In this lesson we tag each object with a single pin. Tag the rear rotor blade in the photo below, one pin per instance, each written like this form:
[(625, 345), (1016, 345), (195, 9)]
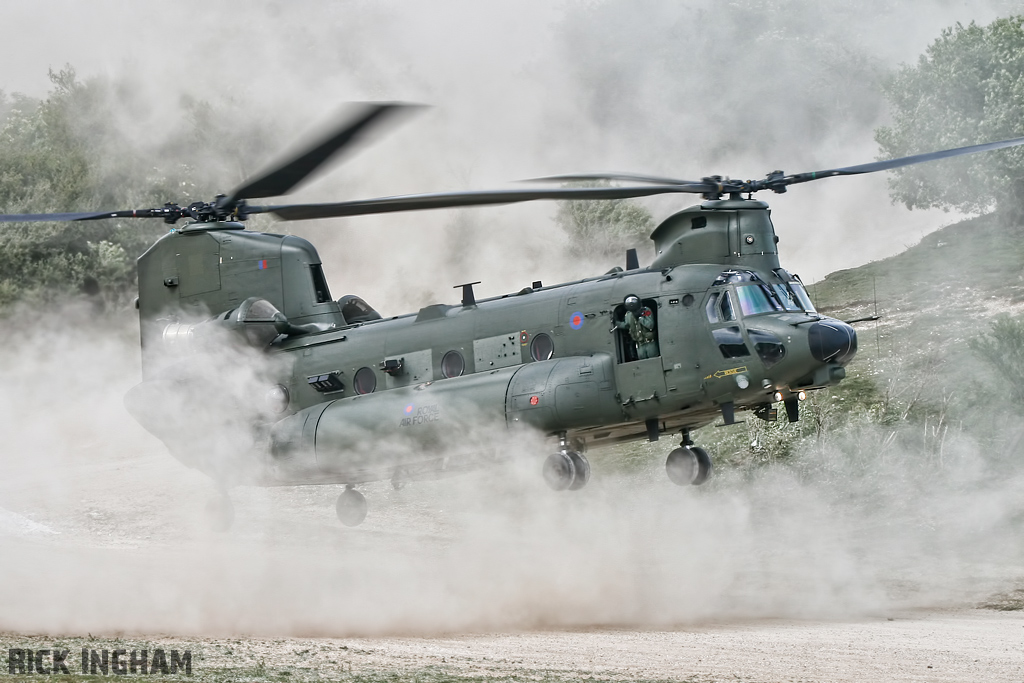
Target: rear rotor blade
[(628, 177), (82, 216), (444, 200), (286, 175)]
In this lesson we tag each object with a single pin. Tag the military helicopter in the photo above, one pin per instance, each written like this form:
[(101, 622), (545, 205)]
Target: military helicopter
[(335, 393)]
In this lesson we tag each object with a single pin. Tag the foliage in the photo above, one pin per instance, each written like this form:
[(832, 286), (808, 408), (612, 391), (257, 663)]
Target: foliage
[(1002, 347), (967, 88), (604, 230), (86, 146)]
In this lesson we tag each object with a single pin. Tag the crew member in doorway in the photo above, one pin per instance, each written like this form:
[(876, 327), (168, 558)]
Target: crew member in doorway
[(639, 322)]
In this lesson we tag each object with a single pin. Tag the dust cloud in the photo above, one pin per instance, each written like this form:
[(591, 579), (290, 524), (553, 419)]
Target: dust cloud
[(102, 530)]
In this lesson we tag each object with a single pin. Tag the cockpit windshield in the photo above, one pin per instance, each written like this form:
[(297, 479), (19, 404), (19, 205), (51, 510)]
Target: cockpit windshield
[(757, 299), (787, 297), (801, 295)]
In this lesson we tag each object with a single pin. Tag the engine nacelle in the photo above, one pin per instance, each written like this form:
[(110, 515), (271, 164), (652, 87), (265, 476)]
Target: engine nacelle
[(256, 322)]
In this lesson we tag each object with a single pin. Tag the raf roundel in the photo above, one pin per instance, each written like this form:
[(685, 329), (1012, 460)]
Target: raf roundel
[(576, 320), (409, 408)]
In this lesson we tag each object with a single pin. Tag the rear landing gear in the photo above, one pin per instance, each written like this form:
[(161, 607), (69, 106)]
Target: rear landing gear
[(688, 465), (351, 507), (567, 469)]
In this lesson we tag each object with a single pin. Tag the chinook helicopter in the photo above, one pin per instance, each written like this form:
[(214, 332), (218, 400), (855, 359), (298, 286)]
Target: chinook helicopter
[(335, 393)]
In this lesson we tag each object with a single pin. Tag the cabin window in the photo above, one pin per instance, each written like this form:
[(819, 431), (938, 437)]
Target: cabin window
[(730, 342), (323, 295), (453, 364), (542, 348), (365, 381)]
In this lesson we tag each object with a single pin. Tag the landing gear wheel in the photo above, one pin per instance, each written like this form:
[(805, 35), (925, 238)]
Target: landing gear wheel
[(219, 513), (559, 471), (351, 507), (703, 465), (690, 465), (582, 470)]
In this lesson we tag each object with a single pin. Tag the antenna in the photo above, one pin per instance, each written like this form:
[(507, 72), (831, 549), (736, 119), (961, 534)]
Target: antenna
[(874, 295), (632, 262), (468, 297)]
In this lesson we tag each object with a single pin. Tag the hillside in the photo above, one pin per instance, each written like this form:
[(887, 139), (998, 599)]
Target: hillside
[(959, 276), (934, 298)]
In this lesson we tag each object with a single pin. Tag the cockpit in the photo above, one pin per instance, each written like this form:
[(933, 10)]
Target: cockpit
[(748, 296), (755, 297)]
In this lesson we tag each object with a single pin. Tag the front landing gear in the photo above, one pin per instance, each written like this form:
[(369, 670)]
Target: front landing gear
[(351, 507), (688, 465), (566, 469)]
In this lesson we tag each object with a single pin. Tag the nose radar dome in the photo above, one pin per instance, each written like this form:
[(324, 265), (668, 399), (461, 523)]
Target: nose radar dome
[(832, 341)]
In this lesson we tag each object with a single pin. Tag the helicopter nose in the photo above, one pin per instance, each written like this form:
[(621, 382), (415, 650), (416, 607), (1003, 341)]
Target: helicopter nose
[(832, 341)]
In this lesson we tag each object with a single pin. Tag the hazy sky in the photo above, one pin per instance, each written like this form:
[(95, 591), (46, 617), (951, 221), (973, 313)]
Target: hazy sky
[(521, 89)]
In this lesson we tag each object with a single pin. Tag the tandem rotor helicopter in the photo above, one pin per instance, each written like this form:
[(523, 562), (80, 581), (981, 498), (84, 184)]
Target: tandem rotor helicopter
[(712, 326)]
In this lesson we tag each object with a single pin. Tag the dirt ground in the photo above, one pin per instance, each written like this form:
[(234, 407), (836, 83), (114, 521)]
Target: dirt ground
[(937, 645), (959, 645)]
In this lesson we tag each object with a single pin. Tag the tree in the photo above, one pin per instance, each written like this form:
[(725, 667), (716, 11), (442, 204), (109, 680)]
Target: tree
[(967, 88), (601, 230), (81, 148)]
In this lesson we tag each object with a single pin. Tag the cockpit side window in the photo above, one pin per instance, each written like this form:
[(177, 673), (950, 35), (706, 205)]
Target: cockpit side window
[(726, 310), (712, 307)]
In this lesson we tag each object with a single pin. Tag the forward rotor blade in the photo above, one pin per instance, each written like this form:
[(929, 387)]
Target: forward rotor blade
[(286, 175), (628, 177), (445, 200), (890, 164)]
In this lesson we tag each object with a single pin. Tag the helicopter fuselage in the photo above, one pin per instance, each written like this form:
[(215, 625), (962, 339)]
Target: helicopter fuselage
[(355, 397)]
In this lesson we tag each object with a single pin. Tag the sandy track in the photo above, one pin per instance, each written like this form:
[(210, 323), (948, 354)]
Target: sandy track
[(947, 645), (957, 645)]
